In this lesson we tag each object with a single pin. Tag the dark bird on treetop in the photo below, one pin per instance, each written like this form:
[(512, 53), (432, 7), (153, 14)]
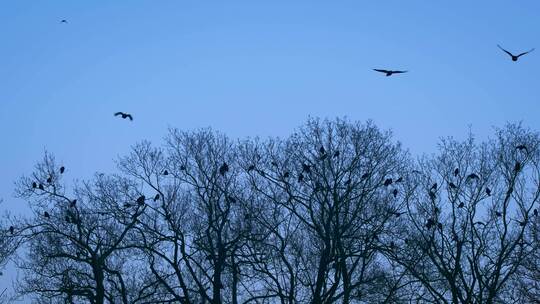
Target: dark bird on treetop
[(498, 214), (364, 176), (34, 185), (389, 72), (182, 167), (223, 169), (165, 172), (306, 168), (156, 197), (522, 147), (300, 177), (251, 168), (430, 223), (488, 191), (535, 211), (395, 192), (63, 21), (49, 179), (434, 187), (62, 169), (452, 185), (456, 172), (517, 167), (124, 115), (515, 57), (41, 187), (73, 203), (322, 150), (472, 176), (461, 205), (387, 182), (11, 229), (141, 200), (46, 214)]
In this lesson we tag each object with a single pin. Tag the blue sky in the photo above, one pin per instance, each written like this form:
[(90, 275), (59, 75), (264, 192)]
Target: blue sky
[(252, 68)]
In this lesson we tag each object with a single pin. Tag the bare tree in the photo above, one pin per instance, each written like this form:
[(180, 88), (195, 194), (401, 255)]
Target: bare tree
[(468, 214)]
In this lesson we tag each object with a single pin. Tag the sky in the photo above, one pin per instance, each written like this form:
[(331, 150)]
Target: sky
[(253, 68)]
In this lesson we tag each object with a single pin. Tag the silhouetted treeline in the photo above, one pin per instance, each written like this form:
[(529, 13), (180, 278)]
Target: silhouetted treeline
[(338, 212)]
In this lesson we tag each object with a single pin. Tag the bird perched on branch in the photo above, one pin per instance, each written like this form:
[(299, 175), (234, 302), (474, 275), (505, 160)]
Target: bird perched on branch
[(223, 169), (62, 169), (124, 115), (515, 57), (389, 72)]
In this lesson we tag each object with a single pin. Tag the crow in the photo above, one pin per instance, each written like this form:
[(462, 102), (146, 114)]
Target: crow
[(488, 191), (223, 169), (46, 214), (165, 172), (141, 200), (124, 115), (34, 185), (515, 57), (322, 150), (498, 214), (156, 197), (11, 229), (62, 169), (387, 182), (461, 205), (63, 21), (41, 187), (395, 192), (364, 176), (456, 172), (306, 168), (430, 223), (251, 168), (389, 72), (49, 179), (517, 167), (73, 203), (452, 185), (434, 187)]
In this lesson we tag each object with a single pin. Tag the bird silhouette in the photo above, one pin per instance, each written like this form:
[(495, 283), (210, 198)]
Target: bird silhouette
[(300, 177), (41, 187), (488, 191), (306, 168), (433, 187), (62, 169), (46, 214), (389, 72), (73, 203), (517, 167), (395, 192), (498, 214), (456, 172), (124, 115), (461, 205), (387, 182), (364, 176), (223, 169), (141, 200), (156, 197), (49, 179), (251, 168), (535, 211), (430, 223), (34, 185), (322, 150), (515, 57), (452, 185), (11, 229), (165, 172), (522, 147)]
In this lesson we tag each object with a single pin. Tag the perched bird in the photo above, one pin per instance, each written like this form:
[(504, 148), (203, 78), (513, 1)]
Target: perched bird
[(141, 200), (434, 187), (62, 169), (389, 72), (11, 229), (515, 57), (46, 214), (430, 223), (452, 185), (488, 191), (472, 176), (498, 214), (306, 168), (251, 168), (535, 211), (456, 172), (364, 176), (461, 205), (286, 175), (517, 167), (223, 169), (522, 147), (34, 185), (49, 179), (322, 150), (165, 172), (156, 197), (387, 182), (395, 192), (73, 203), (522, 223), (41, 187), (124, 115)]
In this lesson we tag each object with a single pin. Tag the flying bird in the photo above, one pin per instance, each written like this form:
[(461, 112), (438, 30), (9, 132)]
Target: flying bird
[(62, 169), (63, 21), (389, 72), (515, 57), (223, 169), (124, 115)]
